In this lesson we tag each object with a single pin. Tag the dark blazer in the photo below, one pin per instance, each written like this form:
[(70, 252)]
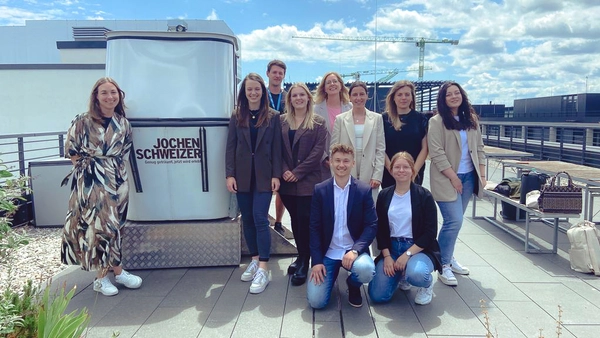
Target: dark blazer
[(424, 221), (267, 155), (362, 219), (303, 157)]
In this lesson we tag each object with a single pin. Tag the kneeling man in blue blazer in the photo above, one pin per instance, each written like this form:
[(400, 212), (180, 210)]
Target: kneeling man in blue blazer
[(343, 223)]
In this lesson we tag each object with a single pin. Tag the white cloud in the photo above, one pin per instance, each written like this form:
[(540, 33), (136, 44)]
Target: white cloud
[(213, 15)]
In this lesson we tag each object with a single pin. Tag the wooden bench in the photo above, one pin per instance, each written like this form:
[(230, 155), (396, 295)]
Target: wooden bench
[(529, 247)]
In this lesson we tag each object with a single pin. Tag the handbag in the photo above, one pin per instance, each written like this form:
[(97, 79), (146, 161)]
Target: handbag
[(584, 254), (531, 200), (563, 199)]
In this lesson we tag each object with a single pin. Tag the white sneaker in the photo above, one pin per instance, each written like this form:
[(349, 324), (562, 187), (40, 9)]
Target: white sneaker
[(251, 269), (447, 277), (128, 280), (104, 286), (404, 285), (260, 281), (424, 295), (457, 268)]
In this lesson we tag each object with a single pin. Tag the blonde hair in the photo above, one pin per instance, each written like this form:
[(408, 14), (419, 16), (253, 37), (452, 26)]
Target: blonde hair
[(411, 162), (309, 119), (390, 104), (321, 93)]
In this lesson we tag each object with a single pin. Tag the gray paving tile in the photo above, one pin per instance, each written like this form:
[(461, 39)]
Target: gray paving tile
[(516, 267), (173, 322), (217, 329), (550, 296), (497, 323), (97, 304), (397, 309), (297, 318), (449, 315), (198, 287), (264, 321), (494, 285), (328, 330), (530, 318), (159, 282), (399, 328), (581, 331), (127, 319)]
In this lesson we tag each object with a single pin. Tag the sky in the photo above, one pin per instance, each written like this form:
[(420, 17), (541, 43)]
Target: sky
[(507, 49)]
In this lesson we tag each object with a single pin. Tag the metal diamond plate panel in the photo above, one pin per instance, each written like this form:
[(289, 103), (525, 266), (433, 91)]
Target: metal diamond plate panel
[(152, 245)]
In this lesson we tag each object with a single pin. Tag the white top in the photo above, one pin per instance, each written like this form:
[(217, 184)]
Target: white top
[(359, 131), (400, 215), (341, 241), (466, 163)]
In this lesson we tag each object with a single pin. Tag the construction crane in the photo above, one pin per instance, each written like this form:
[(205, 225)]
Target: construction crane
[(419, 42), (390, 73)]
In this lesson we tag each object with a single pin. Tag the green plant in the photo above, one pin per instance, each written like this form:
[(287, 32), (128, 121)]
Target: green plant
[(26, 313), (53, 323)]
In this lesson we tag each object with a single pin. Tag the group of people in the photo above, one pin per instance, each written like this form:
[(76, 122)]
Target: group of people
[(346, 175)]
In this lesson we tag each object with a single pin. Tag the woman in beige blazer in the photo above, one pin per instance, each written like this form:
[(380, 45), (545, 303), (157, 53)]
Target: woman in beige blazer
[(457, 170), (331, 99), (363, 130)]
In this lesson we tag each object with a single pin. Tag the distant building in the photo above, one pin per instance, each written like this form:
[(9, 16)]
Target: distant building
[(583, 108)]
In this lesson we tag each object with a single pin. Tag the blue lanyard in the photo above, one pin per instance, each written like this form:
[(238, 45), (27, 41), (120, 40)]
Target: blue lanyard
[(278, 101)]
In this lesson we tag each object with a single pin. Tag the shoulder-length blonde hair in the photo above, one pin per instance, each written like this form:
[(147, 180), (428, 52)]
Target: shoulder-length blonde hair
[(411, 162), (309, 120), (390, 104), (94, 105), (242, 110), (321, 93)]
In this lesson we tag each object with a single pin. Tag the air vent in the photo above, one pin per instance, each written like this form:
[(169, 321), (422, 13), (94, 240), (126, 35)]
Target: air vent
[(90, 33)]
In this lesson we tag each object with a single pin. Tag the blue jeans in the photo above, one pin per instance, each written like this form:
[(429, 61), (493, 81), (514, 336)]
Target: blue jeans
[(361, 272), (452, 213), (417, 272), (254, 207)]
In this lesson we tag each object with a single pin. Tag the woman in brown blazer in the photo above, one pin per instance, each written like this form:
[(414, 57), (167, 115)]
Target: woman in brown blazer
[(253, 169), (304, 135)]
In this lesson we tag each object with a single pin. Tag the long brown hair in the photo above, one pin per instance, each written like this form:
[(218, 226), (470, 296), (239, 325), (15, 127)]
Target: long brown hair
[(94, 106), (467, 118), (242, 110), (390, 104)]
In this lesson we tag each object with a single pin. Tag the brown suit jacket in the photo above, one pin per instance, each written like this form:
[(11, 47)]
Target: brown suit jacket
[(267, 155), (308, 146)]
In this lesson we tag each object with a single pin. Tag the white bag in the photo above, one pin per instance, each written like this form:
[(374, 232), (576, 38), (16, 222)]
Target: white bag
[(531, 199), (584, 254)]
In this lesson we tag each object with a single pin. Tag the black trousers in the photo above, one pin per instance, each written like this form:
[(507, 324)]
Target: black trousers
[(299, 209)]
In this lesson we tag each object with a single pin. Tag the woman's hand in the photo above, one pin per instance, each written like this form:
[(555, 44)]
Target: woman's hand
[(231, 184), (274, 184), (457, 184), (375, 184), (483, 182), (388, 266), (288, 176), (400, 263)]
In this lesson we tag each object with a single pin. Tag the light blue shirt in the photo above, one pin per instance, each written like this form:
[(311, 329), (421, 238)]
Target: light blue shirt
[(341, 241)]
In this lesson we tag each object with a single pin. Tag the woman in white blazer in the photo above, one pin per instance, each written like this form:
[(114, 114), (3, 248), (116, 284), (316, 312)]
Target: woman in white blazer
[(457, 169), (331, 99), (363, 130)]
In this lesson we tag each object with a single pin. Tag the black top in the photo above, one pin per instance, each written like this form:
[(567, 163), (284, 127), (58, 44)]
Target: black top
[(408, 139), (274, 99), (106, 122)]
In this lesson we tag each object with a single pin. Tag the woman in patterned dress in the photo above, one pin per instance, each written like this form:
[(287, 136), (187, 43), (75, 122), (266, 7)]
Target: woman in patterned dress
[(98, 143)]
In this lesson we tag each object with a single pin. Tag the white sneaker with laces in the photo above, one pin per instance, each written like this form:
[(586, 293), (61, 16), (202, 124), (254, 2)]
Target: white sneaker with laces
[(251, 269), (128, 280), (404, 285), (447, 277), (260, 281), (424, 295), (457, 268), (105, 287)]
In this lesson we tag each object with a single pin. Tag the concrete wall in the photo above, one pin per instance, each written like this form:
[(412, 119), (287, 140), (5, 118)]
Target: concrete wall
[(39, 100)]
